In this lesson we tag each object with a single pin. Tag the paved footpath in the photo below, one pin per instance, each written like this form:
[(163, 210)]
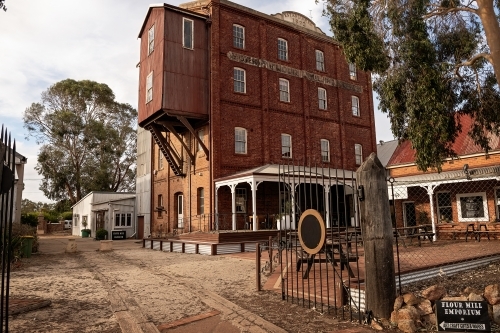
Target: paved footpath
[(225, 317)]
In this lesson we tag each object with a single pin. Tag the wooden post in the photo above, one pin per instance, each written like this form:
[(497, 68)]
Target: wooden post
[(376, 228), (257, 265)]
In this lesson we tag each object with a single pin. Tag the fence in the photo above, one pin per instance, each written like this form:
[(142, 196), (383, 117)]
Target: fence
[(7, 173), (328, 280), (444, 224)]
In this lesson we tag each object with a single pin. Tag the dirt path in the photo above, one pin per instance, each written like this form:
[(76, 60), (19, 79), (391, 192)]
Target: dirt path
[(131, 290)]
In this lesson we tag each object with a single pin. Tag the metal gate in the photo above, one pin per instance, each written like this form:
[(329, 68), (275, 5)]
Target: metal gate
[(330, 280), (7, 175)]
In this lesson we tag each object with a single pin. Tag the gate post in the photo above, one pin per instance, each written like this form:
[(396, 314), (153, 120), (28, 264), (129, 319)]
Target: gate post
[(376, 228)]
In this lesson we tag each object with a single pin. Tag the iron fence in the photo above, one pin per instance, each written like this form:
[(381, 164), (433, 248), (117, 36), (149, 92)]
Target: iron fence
[(7, 175), (445, 223), (329, 280)]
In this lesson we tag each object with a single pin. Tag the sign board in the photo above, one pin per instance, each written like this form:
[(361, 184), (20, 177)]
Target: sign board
[(118, 234), (462, 316), (312, 231)]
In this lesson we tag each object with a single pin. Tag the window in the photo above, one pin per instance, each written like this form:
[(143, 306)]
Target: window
[(358, 153), (187, 32), (201, 201), (240, 140), (160, 205), (282, 49), (241, 200), (117, 219), (322, 98), (75, 221), (239, 80), (472, 207), (238, 36), (325, 150), (201, 134), (123, 220), (497, 203), (129, 220), (355, 105), (284, 90), (445, 213), (151, 39), (320, 61), (85, 222), (160, 159), (286, 145), (352, 71), (149, 88)]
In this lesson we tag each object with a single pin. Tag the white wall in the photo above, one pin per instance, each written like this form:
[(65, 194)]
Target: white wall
[(143, 178)]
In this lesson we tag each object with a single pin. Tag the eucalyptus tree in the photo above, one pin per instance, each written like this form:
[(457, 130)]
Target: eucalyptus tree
[(88, 140), (433, 61)]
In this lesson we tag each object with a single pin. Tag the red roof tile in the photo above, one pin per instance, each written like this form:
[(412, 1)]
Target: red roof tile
[(463, 145)]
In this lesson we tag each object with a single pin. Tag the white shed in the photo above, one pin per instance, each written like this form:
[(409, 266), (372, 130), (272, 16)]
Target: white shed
[(113, 211)]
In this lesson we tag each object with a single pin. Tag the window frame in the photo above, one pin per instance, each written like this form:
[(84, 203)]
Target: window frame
[(323, 100), (237, 82), (201, 200), (160, 159), (497, 202), (149, 87), (284, 153), (284, 93), (236, 141), (320, 61), (151, 39), (240, 200), (184, 20), (484, 218), (282, 52), (238, 38), (327, 150), (358, 153), (355, 106), (439, 207), (160, 204), (201, 135), (353, 75)]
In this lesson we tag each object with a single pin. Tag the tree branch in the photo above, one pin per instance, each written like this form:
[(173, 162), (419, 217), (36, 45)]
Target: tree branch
[(442, 11)]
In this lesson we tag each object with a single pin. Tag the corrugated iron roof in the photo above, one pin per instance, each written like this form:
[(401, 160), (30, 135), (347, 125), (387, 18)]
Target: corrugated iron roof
[(463, 145)]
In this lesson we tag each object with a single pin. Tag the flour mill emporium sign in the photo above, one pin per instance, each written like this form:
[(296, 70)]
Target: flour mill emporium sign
[(244, 59), (462, 316)]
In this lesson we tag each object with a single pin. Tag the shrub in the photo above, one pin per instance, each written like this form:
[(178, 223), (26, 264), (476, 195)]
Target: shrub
[(19, 230), (30, 219), (101, 234), (67, 215), (51, 217)]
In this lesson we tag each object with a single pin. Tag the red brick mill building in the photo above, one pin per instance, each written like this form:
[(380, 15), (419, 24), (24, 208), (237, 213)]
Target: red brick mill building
[(229, 94)]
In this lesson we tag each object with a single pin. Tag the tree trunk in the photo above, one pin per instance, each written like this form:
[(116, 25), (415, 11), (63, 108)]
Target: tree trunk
[(376, 228), (486, 13)]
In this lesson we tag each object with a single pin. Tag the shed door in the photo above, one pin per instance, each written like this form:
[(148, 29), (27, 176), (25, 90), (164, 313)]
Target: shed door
[(409, 214), (140, 227)]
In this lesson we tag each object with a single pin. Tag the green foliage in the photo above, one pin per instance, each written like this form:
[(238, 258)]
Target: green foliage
[(101, 234), (67, 215), (30, 219), (427, 70), (88, 140), (19, 230), (51, 217), (28, 206)]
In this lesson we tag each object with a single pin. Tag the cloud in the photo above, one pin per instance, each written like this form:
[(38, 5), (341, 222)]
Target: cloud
[(44, 42)]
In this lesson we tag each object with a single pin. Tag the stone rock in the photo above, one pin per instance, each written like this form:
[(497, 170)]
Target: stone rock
[(385, 323), (433, 293), (408, 312), (475, 297), (496, 313), (410, 299), (424, 307), (455, 298), (492, 293), (375, 325), (394, 317), (407, 326), (469, 290), (430, 318), (398, 303)]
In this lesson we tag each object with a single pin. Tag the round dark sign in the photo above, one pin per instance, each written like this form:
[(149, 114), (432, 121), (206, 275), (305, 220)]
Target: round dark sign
[(311, 231)]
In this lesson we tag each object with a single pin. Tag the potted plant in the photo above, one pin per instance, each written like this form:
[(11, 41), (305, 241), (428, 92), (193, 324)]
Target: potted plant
[(85, 231), (101, 234), (283, 221)]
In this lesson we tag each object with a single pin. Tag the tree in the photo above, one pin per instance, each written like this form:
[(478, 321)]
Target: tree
[(89, 140), (434, 61)]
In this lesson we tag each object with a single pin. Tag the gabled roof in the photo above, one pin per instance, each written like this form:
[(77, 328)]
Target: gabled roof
[(463, 145)]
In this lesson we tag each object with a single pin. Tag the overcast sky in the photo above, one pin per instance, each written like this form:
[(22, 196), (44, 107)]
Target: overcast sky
[(43, 42)]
